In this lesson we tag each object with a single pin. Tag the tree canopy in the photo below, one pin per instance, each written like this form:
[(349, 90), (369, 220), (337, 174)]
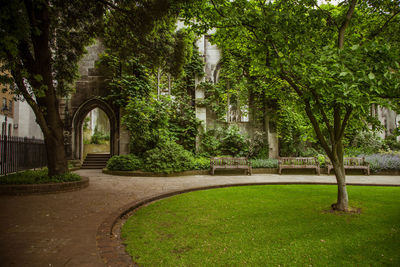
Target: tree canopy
[(338, 60), (41, 42)]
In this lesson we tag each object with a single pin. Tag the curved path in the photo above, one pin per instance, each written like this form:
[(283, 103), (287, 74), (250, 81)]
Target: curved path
[(60, 229)]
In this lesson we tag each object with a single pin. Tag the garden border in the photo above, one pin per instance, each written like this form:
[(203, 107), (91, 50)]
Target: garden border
[(207, 172), (153, 174), (109, 244), (32, 189)]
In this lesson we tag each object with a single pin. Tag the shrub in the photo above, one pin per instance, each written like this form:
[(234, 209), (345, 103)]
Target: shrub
[(167, 157), (234, 143), (258, 146), (37, 177), (366, 143), (391, 142), (264, 163), (322, 160), (201, 163), (379, 162), (210, 143), (183, 123), (146, 119), (215, 142), (124, 163)]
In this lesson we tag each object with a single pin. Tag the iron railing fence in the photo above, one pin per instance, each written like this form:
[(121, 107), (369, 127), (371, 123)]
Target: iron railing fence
[(18, 153)]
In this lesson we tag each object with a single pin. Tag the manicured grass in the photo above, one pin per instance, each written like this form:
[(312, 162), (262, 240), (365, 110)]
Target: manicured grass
[(37, 177), (267, 226)]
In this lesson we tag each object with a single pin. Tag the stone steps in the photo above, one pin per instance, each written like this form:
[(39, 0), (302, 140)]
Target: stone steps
[(95, 161)]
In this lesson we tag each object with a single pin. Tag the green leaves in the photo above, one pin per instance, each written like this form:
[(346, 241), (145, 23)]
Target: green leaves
[(371, 76)]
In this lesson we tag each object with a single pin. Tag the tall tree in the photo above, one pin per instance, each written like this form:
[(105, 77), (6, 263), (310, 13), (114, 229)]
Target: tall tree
[(337, 59), (41, 42)]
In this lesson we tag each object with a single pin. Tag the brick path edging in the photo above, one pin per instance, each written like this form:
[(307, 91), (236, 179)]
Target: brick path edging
[(110, 247), (207, 172), (153, 174), (29, 189)]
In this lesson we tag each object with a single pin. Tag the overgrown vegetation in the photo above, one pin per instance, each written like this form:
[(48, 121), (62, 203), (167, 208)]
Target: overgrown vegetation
[(230, 141), (167, 157), (124, 163), (37, 177), (276, 84)]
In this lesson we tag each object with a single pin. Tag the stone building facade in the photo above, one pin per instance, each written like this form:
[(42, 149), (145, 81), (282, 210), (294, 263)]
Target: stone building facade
[(248, 124), (21, 121), (91, 90)]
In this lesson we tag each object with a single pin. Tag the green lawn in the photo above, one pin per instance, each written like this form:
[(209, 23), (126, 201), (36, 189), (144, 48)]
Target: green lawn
[(267, 225)]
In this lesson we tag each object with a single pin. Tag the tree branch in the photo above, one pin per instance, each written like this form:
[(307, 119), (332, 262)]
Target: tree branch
[(349, 110), (216, 9), (26, 56), (346, 23), (336, 122), (324, 117), (310, 115), (377, 32), (317, 129), (113, 6)]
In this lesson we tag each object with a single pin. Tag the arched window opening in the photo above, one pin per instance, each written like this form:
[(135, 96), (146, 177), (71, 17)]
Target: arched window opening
[(96, 132)]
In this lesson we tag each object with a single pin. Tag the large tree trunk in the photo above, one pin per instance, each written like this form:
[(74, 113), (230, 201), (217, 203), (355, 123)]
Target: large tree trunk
[(56, 159), (342, 203)]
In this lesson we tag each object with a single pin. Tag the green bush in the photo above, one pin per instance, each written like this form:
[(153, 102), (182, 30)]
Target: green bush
[(322, 160), (210, 143), (258, 146), (365, 143), (230, 141), (264, 163), (167, 157), (201, 163), (146, 119), (37, 177), (234, 143), (391, 143), (124, 163)]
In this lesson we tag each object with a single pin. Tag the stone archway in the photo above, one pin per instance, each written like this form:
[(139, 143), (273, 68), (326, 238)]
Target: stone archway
[(77, 126)]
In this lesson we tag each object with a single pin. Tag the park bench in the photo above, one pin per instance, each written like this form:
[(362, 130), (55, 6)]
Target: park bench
[(351, 163), (230, 163), (298, 163)]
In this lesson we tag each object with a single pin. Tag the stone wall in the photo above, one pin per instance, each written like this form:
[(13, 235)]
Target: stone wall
[(90, 93), (211, 56)]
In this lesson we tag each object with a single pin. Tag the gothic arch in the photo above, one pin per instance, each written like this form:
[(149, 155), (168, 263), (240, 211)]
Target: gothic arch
[(217, 71), (77, 126)]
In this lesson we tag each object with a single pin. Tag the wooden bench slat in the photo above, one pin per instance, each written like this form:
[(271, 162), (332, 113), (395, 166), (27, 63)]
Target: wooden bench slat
[(351, 163), (230, 163), (298, 163)]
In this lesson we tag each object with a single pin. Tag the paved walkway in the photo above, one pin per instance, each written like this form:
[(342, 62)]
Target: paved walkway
[(60, 229)]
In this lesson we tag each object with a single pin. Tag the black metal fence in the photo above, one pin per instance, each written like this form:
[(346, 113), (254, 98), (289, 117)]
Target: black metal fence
[(17, 154)]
